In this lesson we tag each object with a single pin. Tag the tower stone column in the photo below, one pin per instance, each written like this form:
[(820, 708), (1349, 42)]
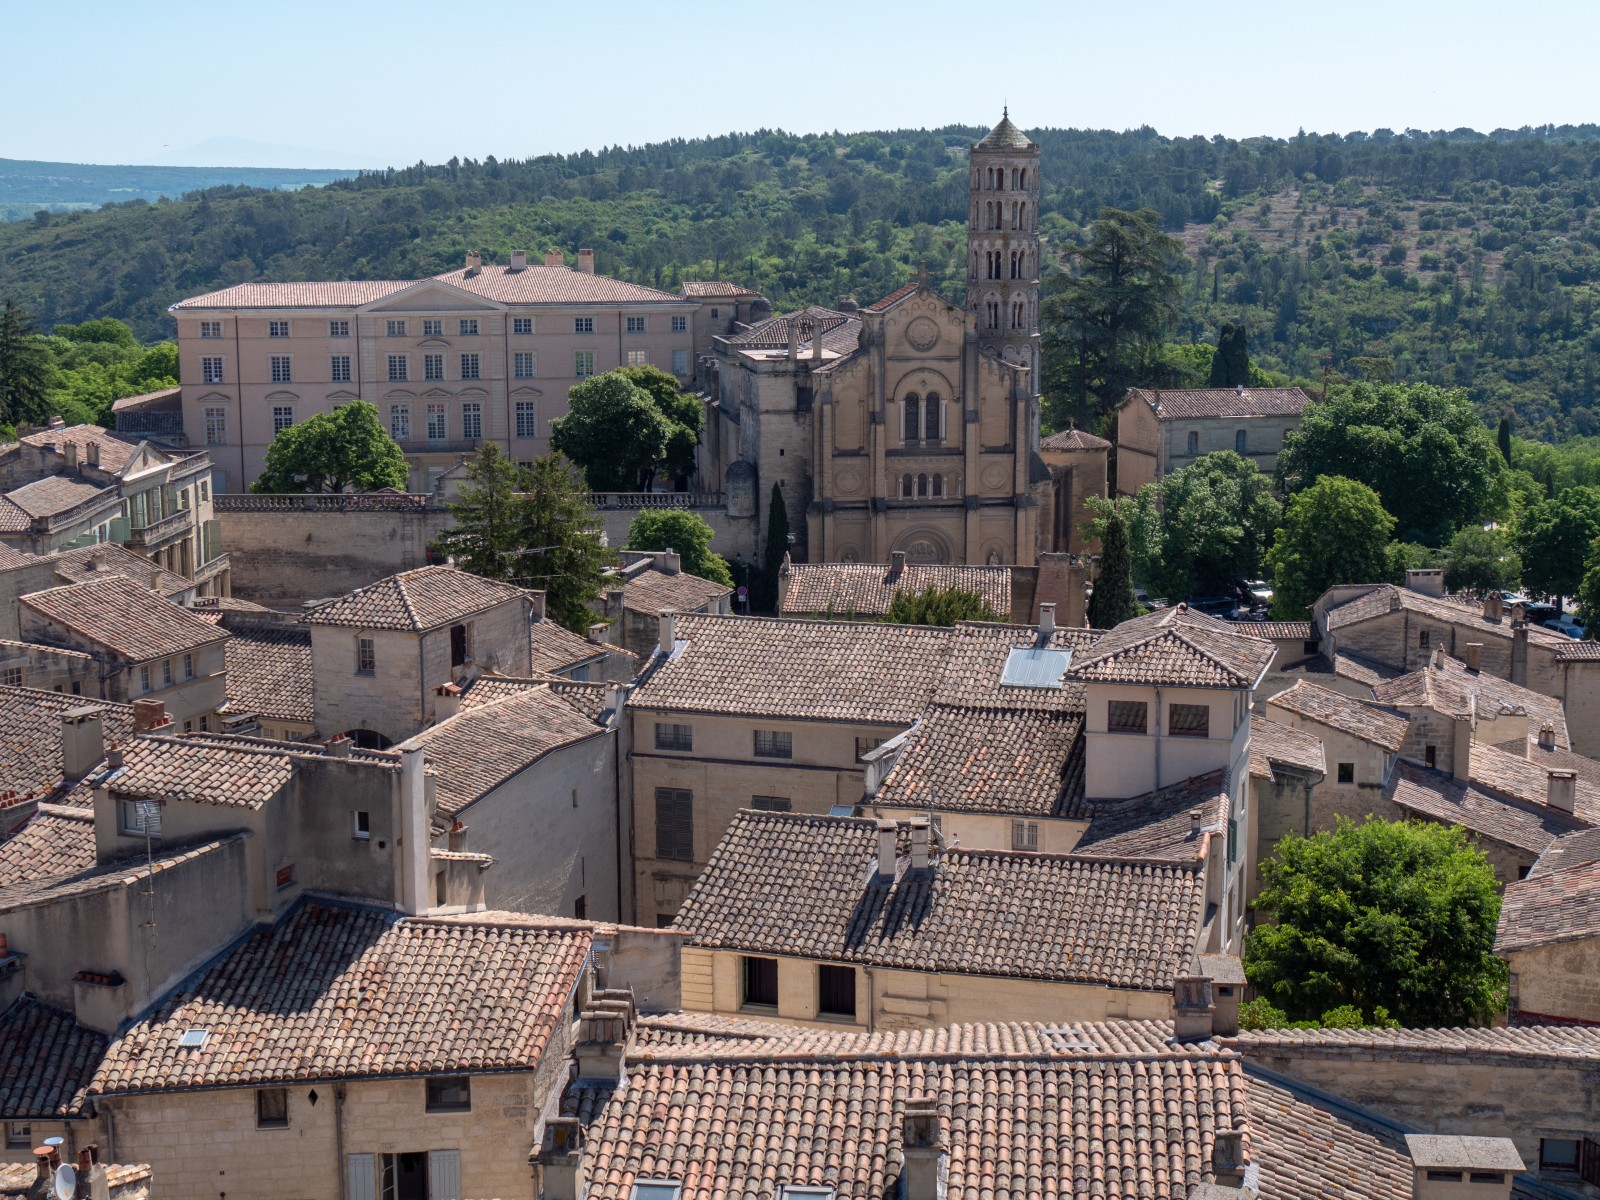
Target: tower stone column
[(1003, 245)]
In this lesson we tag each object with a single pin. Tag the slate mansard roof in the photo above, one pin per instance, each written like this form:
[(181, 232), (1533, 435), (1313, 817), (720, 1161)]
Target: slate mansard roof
[(807, 886), (336, 993), (415, 601)]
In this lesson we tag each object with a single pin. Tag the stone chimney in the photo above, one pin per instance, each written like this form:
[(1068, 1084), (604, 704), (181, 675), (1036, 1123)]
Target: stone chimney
[(519, 260), (149, 715), (616, 694), (1547, 736), (1472, 655), (599, 1050), (897, 562), (99, 1181), (70, 449), (1193, 1008), (456, 839), (560, 1159), (1562, 790), (1429, 581), (1494, 606), (446, 701), (1227, 1157), (1519, 651), (83, 741), (339, 746), (91, 453), (794, 338), (598, 631), (886, 851), (1197, 821), (668, 632), (922, 1148), (586, 261), (669, 561), (554, 258), (1450, 1167), (920, 860), (474, 262), (1047, 621)]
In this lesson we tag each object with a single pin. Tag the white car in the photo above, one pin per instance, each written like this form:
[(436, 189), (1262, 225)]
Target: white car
[(1566, 623)]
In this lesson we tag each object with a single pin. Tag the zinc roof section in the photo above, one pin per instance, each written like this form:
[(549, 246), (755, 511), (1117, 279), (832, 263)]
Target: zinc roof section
[(797, 670)]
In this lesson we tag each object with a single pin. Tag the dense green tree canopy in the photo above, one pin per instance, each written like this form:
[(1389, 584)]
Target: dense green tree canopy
[(940, 606), (614, 432), (347, 449), (683, 414), (1482, 560), (683, 531), (1420, 447), (564, 553), (1230, 365), (1335, 531), (1555, 537), (1589, 594), (1396, 915), (1112, 600), (488, 512), (24, 368), (1217, 518)]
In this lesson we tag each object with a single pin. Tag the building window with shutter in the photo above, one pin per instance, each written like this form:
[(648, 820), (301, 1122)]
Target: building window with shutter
[(450, 1093), (760, 982), (836, 991), (675, 824), (1024, 835), (272, 1108), (772, 803), (1127, 716), (674, 737), (1189, 720), (773, 743)]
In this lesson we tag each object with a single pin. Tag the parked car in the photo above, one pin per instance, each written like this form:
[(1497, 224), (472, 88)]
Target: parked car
[(1568, 624)]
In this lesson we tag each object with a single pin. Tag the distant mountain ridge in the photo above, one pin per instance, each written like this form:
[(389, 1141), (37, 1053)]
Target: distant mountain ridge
[(27, 185)]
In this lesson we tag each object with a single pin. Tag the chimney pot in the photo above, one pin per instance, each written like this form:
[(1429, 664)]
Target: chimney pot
[(339, 746), (519, 260), (897, 562), (561, 1170), (1193, 1008), (886, 850), (1047, 619), (554, 258), (1547, 736), (113, 756), (668, 631), (1197, 817), (91, 453), (1472, 655), (149, 715), (919, 843), (586, 261), (474, 262), (602, 1037), (1493, 606), (670, 561), (1563, 790), (83, 741)]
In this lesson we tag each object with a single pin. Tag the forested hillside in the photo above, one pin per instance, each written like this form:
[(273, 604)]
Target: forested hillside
[(1459, 258)]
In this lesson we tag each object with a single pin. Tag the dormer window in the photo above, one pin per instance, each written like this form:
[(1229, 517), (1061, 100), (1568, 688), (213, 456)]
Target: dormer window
[(1127, 716)]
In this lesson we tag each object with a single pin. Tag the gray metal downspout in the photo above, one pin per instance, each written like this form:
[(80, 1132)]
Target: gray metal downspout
[(338, 1140)]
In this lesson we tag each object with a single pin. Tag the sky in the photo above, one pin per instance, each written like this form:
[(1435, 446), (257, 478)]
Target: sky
[(359, 83)]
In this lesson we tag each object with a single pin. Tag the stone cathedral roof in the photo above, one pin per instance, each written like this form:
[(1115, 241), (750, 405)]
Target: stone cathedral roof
[(1005, 136)]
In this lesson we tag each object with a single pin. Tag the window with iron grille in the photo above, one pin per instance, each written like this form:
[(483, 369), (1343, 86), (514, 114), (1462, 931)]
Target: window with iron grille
[(521, 324), (471, 420), (674, 737), (339, 368), (277, 329), (772, 803), (635, 324), (773, 743), (210, 329), (395, 328), (432, 328), (836, 991), (680, 324), (1128, 716), (398, 368), (282, 417), (338, 329), (468, 326), (1024, 835), (1189, 720), (523, 363), (211, 370), (527, 419), (675, 824), (469, 366), (760, 982), (281, 371), (433, 366)]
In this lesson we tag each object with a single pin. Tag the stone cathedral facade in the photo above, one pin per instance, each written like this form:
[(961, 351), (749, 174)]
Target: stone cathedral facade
[(909, 424)]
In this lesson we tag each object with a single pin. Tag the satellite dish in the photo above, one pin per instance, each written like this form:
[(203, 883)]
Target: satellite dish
[(66, 1185)]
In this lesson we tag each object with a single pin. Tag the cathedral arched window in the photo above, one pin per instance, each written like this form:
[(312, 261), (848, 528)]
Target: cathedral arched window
[(912, 424), (922, 487), (1023, 179), (905, 485), (930, 425), (1022, 215), (938, 485)]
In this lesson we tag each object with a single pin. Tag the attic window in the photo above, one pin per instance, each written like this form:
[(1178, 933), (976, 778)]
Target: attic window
[(795, 1191), (656, 1189), (193, 1039), (1028, 667)]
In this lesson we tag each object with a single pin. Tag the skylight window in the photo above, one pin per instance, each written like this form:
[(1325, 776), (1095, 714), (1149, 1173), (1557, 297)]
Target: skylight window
[(795, 1191), (1027, 667), (193, 1039), (657, 1189)]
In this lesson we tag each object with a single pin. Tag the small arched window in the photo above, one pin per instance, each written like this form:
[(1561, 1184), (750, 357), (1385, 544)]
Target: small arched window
[(930, 424), (922, 485), (1022, 215), (1240, 440), (905, 485), (912, 426), (1022, 177), (1194, 444), (938, 485)]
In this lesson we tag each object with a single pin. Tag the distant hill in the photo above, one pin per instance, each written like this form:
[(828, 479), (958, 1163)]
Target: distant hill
[(27, 186), (1467, 259)]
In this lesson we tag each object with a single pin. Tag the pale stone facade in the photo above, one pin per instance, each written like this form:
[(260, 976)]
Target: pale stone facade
[(1159, 432)]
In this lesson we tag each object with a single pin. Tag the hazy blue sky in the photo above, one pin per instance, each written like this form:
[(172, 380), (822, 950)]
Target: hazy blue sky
[(359, 82)]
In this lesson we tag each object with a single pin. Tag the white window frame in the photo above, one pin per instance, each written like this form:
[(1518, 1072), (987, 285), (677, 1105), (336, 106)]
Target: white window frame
[(471, 420), (338, 329), (582, 324), (394, 328), (216, 426), (680, 362), (471, 367), (432, 327), (527, 417), (366, 656), (278, 329), (282, 417), (583, 363), (211, 369), (636, 325), (399, 368), (282, 368), (680, 324), (467, 326), (525, 364), (438, 424), (339, 368), (210, 329), (522, 326), (432, 366), (638, 358), (400, 422)]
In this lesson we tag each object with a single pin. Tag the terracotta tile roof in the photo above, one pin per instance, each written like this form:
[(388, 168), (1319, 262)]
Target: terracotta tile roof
[(1272, 742), (986, 760), (977, 661), (487, 689), (1576, 651), (1015, 1126), (1275, 631), (1307, 1149), (1529, 779), (1556, 759), (7, 646), (55, 840), (1005, 136), (30, 738), (1201, 403), (346, 294), (1345, 713), (126, 403), (416, 600), (1175, 646), (125, 873), (696, 288), (1561, 1042), (240, 774), (806, 886), (556, 648), (800, 670), (651, 591), (115, 451), (1429, 794), (1361, 669), (46, 1061), (337, 993), (269, 672), (54, 494), (130, 621), (1074, 439), (482, 747), (1157, 824), (88, 563), (1447, 687), (867, 589), (1388, 597), (10, 558), (552, 285), (586, 699), (1559, 901), (893, 298)]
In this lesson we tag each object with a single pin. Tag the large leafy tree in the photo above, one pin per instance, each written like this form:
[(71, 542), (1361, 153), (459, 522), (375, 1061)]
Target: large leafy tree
[(1554, 537), (1335, 531), (1112, 601), (1217, 516), (347, 449), (685, 532), (564, 549), (1589, 594), (24, 368), (488, 511), (1230, 365), (939, 606), (1396, 915), (1482, 560), (682, 411), (1141, 522), (1104, 316), (615, 433), (1420, 447)]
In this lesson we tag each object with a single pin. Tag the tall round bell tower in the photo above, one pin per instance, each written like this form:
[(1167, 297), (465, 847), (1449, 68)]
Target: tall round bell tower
[(1003, 244)]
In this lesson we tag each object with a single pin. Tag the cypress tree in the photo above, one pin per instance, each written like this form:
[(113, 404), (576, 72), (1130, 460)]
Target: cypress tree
[(1503, 437), (24, 368), (1113, 600), (1230, 365), (777, 546)]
